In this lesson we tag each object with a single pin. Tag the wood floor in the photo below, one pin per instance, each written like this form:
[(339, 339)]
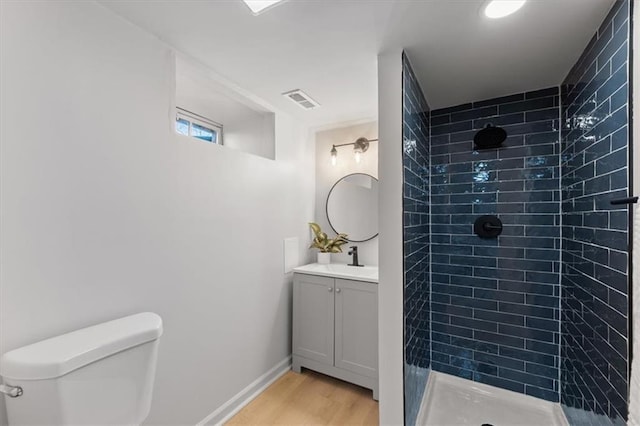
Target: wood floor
[(310, 399)]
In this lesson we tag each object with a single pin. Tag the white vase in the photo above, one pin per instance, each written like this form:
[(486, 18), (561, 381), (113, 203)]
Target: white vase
[(324, 258)]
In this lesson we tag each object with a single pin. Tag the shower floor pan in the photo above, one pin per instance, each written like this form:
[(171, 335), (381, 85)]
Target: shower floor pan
[(453, 401)]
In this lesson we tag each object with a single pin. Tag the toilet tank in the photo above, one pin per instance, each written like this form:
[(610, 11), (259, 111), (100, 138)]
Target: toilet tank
[(99, 375)]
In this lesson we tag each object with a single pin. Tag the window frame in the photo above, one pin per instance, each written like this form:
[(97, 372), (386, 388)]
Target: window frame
[(193, 118)]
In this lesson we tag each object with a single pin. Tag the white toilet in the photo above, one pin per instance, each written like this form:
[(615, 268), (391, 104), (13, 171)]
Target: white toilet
[(100, 375)]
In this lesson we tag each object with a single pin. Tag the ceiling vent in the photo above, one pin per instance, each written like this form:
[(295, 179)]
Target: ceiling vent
[(302, 99)]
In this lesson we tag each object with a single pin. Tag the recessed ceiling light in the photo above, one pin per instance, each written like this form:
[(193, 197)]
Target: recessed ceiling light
[(500, 8), (258, 6)]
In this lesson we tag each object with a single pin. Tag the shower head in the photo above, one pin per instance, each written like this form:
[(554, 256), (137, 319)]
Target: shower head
[(490, 137)]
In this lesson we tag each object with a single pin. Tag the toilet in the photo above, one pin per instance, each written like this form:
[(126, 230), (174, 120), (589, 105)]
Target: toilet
[(99, 375)]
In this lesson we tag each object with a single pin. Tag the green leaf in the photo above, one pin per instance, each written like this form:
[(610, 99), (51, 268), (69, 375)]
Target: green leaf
[(323, 243), (315, 228)]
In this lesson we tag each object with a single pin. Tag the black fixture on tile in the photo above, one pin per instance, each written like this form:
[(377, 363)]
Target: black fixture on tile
[(490, 137), (620, 201), (488, 226)]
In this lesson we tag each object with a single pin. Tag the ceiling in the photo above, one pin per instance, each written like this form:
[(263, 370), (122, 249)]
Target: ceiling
[(329, 48)]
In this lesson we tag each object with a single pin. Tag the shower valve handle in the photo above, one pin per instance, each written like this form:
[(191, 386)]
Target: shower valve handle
[(489, 226)]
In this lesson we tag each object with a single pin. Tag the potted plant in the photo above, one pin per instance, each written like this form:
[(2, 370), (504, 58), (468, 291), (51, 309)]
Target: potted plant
[(326, 246)]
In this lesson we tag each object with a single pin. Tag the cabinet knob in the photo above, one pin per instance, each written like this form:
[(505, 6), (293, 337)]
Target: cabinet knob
[(337, 290), (330, 289)]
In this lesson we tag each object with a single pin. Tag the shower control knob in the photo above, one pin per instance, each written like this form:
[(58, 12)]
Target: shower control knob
[(487, 226)]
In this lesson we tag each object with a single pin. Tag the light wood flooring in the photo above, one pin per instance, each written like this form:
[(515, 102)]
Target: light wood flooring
[(309, 399)]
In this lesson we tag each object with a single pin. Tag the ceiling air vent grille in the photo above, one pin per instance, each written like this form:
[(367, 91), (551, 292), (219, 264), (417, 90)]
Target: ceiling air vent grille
[(302, 99)]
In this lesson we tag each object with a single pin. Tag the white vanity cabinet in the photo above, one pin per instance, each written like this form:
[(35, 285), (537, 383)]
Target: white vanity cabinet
[(335, 328)]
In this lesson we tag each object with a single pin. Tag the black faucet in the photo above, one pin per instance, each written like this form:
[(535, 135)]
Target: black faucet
[(354, 252)]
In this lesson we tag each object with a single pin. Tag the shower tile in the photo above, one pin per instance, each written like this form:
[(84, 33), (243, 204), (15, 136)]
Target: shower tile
[(527, 332), (474, 113), (451, 330), (619, 180), (473, 156), (616, 82), (495, 304), (527, 287), (451, 128), (450, 109), (499, 120), (474, 324), (543, 114), (526, 151), (546, 101), (532, 127), (542, 277), (551, 91), (529, 355), (541, 161), (501, 185), (524, 265), (542, 208), (542, 393), (527, 310), (474, 281), (497, 101), (417, 165), (499, 339), (611, 162), (462, 136), (544, 348), (595, 302), (543, 137), (441, 119)]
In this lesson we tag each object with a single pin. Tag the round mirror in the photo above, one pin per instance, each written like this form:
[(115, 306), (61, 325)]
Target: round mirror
[(352, 207)]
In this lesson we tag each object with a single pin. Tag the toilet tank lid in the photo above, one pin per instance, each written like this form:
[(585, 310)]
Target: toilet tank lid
[(62, 354)]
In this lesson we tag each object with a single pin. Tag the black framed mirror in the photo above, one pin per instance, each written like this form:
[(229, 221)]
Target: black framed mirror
[(352, 207)]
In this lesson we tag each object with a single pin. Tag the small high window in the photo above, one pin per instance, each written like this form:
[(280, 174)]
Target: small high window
[(197, 126), (203, 103)]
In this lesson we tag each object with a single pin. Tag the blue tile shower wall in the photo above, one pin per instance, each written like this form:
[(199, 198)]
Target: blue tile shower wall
[(415, 117), (495, 302), (542, 310), (595, 281)]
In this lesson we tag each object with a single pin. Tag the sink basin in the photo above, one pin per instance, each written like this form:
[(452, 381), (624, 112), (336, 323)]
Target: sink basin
[(341, 270)]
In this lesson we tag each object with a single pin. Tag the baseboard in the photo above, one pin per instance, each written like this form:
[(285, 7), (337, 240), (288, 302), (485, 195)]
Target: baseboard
[(246, 395)]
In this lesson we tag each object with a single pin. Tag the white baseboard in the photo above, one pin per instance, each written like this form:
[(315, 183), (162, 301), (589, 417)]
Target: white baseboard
[(246, 395)]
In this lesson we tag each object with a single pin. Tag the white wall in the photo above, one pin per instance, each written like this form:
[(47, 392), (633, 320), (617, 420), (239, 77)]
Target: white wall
[(390, 291), (106, 212), (327, 175)]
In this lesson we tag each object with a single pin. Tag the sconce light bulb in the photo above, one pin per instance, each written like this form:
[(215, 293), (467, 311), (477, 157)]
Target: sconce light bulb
[(357, 155), (334, 156)]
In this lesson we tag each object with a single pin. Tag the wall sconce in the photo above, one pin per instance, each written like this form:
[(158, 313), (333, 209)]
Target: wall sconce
[(360, 146)]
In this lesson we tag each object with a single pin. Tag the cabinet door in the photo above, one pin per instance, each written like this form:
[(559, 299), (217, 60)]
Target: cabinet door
[(357, 327), (313, 317)]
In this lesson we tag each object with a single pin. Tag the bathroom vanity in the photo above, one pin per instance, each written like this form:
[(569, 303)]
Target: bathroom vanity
[(335, 322)]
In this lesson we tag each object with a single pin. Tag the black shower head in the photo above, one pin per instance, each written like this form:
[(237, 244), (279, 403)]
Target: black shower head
[(490, 137)]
